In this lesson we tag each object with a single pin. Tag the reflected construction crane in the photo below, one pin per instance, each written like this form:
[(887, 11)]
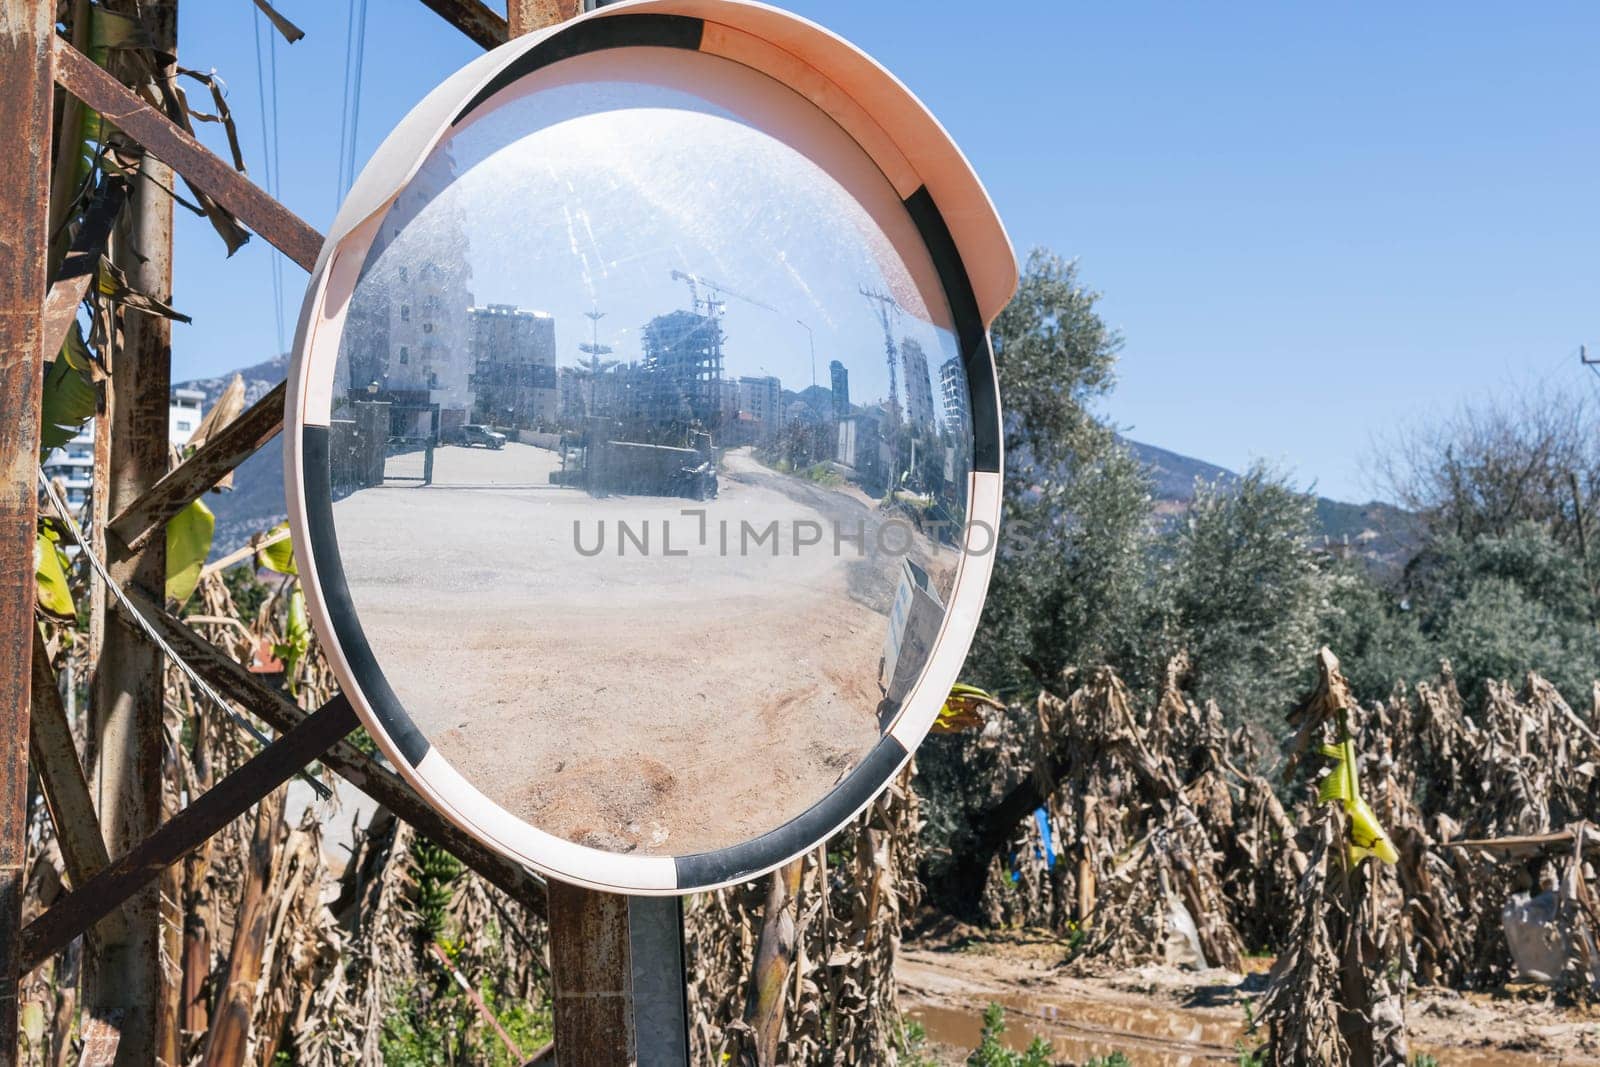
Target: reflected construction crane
[(713, 303), (888, 311)]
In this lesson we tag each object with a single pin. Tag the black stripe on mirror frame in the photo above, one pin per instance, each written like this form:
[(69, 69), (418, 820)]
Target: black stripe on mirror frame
[(594, 35), (804, 831), (317, 477)]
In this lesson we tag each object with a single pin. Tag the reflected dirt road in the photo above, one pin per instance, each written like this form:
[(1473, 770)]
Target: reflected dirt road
[(661, 703)]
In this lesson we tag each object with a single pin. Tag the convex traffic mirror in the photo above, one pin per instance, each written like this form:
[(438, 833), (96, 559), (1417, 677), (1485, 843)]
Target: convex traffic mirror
[(643, 441)]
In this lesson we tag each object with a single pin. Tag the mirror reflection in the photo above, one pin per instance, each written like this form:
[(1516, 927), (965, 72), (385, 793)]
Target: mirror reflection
[(649, 463)]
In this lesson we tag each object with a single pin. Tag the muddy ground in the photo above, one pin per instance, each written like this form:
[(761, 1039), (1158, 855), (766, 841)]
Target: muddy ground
[(1167, 1017), (665, 700)]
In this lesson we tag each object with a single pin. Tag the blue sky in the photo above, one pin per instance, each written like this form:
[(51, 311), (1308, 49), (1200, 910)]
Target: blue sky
[(1310, 222)]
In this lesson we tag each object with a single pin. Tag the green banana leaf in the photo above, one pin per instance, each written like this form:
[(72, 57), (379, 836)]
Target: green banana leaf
[(68, 399), (296, 638), (188, 544), (278, 556), (50, 565)]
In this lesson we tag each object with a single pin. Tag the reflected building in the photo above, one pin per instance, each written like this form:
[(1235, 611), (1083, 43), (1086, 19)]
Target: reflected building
[(621, 393), (860, 444), (406, 333), (919, 387), (761, 398), (514, 366), (953, 392), (839, 378)]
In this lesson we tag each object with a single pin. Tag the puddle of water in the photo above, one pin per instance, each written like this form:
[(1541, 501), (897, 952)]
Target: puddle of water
[(1149, 1037), (1079, 1030)]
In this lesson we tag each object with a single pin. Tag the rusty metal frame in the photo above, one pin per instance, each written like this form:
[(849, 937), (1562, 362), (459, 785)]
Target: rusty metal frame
[(204, 817), (25, 111)]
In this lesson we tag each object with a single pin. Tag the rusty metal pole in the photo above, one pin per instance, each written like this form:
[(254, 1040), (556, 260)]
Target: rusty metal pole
[(617, 976), (125, 977), (26, 27)]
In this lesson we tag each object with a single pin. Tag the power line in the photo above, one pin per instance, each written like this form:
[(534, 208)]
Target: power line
[(269, 168), (355, 52)]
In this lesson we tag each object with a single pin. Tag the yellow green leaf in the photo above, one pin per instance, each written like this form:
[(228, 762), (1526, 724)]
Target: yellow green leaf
[(188, 544), (50, 574), (278, 556)]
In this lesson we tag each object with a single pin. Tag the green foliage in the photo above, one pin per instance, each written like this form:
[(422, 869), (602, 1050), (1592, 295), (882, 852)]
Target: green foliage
[(279, 555), (1116, 1059), (1498, 605), (1067, 586), (1494, 605), (188, 544), (822, 474), (911, 1043), (296, 638), (50, 567), (437, 871), (248, 591), (1245, 594), (68, 397), (438, 1025), (991, 1053)]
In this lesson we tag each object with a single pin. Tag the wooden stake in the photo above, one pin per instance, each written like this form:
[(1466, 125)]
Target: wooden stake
[(26, 27)]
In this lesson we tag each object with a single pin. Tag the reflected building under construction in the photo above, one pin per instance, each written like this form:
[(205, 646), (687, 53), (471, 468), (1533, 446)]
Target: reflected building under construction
[(683, 369), (953, 391)]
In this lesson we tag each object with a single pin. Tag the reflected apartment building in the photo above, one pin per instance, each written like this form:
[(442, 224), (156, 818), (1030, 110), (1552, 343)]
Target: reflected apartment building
[(513, 359), (409, 319)]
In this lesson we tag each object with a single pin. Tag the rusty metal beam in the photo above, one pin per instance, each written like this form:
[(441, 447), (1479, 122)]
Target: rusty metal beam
[(237, 684), (526, 16), (231, 446), (26, 27), (474, 19), (118, 105), (220, 805), (66, 790), (81, 265)]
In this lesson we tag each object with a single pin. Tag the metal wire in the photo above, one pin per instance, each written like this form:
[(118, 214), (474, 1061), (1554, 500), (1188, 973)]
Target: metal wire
[(155, 638)]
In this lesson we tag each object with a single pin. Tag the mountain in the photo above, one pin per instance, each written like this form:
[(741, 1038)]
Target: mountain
[(1379, 533), (256, 502), (1376, 532)]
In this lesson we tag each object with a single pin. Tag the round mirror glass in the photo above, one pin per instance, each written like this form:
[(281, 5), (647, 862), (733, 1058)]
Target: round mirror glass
[(649, 445)]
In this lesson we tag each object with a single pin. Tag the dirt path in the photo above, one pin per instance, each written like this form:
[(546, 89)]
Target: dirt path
[(1166, 1017)]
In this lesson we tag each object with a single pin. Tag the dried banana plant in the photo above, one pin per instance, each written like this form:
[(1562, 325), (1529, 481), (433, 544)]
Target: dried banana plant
[(801, 970)]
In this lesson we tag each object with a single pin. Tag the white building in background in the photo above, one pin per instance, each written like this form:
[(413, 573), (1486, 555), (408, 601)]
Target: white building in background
[(184, 412), (408, 330), (953, 390), (72, 465)]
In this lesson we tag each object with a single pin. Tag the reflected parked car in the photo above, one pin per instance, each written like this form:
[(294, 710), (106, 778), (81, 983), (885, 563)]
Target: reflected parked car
[(474, 434)]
